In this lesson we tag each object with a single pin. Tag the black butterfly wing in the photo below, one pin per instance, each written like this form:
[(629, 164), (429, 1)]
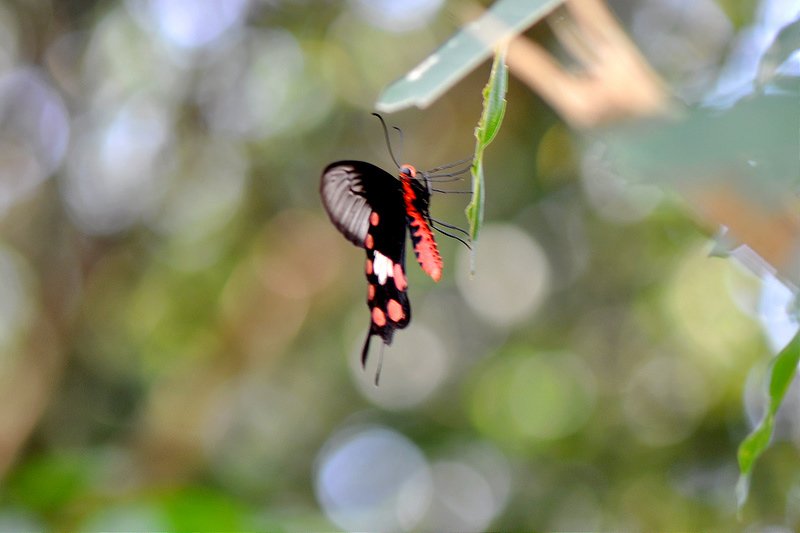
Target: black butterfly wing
[(366, 205)]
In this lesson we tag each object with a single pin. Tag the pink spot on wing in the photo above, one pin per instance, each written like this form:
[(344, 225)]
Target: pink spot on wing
[(378, 317), (395, 311), (400, 278)]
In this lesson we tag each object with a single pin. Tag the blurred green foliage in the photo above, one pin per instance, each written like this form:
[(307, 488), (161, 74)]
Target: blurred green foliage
[(180, 325)]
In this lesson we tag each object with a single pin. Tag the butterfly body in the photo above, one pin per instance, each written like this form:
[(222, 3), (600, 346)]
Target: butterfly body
[(373, 209)]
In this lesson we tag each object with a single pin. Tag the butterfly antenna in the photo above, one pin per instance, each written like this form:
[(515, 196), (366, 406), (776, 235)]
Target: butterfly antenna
[(402, 144), (451, 174), (451, 165), (380, 366), (386, 136), (450, 192)]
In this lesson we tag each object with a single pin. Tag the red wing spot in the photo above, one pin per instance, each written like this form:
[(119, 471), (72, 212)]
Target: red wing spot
[(378, 317), (369, 242), (374, 218), (370, 292), (369, 267), (400, 278), (395, 311)]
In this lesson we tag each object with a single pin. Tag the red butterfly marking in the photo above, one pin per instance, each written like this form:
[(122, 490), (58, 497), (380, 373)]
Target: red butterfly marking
[(378, 317), (400, 278), (425, 247)]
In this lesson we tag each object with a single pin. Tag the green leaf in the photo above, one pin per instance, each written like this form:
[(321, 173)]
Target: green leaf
[(462, 53), (494, 107), (47, 483), (494, 101), (782, 372), (202, 509)]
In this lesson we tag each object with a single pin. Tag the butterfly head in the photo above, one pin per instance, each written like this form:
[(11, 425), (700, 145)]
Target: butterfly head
[(407, 171), (417, 180)]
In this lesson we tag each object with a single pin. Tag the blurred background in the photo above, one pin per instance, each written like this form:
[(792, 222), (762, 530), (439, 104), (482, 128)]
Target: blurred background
[(180, 323)]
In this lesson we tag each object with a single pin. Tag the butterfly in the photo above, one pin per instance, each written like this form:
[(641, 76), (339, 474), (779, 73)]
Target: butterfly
[(373, 210)]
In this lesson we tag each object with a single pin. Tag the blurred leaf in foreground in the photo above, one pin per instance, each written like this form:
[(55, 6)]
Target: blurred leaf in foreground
[(786, 43), (782, 371), (462, 53), (494, 107)]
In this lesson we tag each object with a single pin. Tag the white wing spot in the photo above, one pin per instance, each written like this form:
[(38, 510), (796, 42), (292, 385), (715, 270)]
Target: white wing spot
[(383, 267)]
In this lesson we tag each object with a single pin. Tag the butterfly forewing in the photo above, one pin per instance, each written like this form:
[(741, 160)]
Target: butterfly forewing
[(345, 199)]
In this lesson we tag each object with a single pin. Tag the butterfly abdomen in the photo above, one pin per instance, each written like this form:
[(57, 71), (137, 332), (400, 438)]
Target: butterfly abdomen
[(416, 198)]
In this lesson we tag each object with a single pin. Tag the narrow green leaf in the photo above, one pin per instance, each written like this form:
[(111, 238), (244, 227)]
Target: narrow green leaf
[(494, 101), (494, 107), (462, 53), (782, 372), (474, 210)]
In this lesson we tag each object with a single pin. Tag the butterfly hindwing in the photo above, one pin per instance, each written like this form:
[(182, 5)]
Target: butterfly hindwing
[(386, 279), (366, 204)]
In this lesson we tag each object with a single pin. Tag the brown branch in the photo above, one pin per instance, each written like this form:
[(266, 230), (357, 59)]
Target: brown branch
[(615, 81)]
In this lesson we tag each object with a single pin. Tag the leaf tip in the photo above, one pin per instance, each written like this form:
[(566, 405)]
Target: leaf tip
[(742, 491)]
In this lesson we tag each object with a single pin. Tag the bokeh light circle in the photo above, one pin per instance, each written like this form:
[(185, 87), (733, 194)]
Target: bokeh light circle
[(115, 167), (701, 305), (128, 517), (264, 84), (414, 366), (531, 397), (610, 194), (190, 24), (512, 275), (373, 479), (463, 499), (397, 15), (244, 441), (34, 133), (684, 41), (17, 302), (202, 203), (665, 399)]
